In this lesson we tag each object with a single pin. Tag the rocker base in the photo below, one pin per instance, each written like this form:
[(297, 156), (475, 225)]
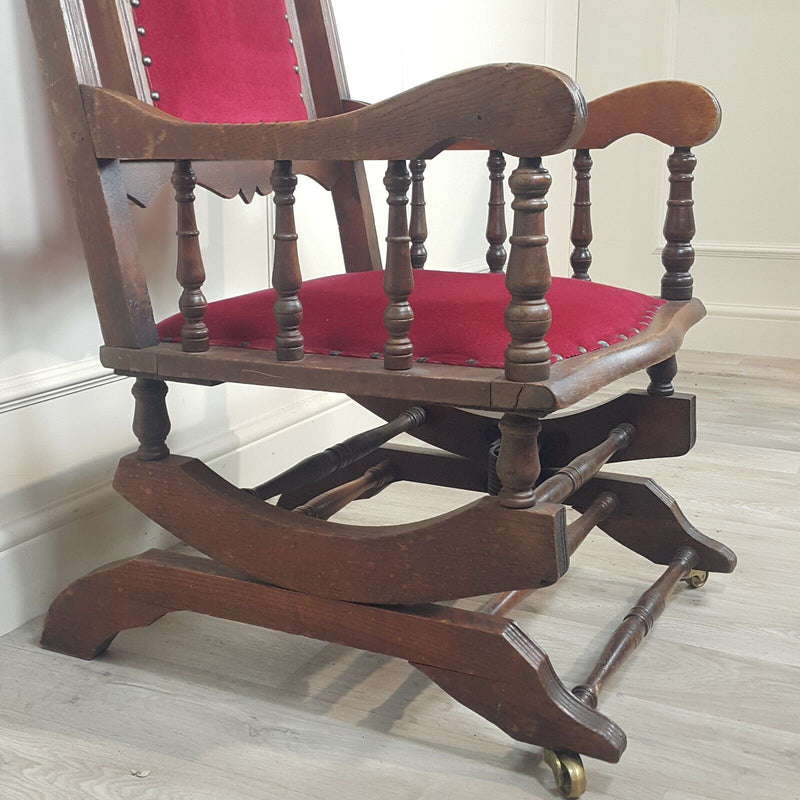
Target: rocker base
[(485, 662)]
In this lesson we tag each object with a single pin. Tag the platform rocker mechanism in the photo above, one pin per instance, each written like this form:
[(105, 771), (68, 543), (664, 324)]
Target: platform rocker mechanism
[(270, 569)]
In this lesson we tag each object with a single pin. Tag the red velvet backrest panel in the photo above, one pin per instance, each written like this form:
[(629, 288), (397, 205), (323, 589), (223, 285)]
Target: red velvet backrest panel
[(220, 60)]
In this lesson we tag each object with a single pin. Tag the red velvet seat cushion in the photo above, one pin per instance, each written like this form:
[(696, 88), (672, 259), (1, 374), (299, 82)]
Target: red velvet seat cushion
[(458, 317), (220, 60)]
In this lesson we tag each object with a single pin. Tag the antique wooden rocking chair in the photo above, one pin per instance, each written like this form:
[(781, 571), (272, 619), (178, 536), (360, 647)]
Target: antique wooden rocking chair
[(138, 93)]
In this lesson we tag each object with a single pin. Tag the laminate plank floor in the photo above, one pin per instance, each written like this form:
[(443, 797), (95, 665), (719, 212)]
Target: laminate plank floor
[(194, 707)]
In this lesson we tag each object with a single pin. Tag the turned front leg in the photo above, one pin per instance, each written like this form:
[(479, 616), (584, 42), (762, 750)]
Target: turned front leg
[(518, 465)]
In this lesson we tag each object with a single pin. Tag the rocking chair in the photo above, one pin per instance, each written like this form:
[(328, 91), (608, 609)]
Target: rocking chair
[(141, 89)]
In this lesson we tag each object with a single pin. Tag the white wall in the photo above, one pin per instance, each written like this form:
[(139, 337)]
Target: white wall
[(748, 237)]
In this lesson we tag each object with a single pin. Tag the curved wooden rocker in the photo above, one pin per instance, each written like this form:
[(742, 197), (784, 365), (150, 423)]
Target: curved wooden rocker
[(484, 661), (479, 548)]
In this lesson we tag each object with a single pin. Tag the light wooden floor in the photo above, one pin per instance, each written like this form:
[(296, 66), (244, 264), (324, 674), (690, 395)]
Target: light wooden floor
[(194, 707)]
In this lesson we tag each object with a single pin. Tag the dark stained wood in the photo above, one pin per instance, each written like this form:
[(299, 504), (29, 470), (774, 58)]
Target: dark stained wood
[(98, 195), (410, 463), (150, 420), (449, 428), (520, 109), (661, 376), (496, 222), (569, 478), (637, 624), (510, 543), (398, 280), (190, 272), (286, 277), (571, 380), (677, 113), (328, 87), (602, 507), (325, 505), (574, 379), (528, 276), (677, 256), (418, 225), (665, 428), (650, 523), (486, 662), (318, 466), (479, 548), (518, 463), (581, 235)]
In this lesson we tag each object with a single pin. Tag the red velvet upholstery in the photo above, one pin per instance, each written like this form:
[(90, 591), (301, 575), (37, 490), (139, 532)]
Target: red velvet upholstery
[(458, 317), (220, 60)]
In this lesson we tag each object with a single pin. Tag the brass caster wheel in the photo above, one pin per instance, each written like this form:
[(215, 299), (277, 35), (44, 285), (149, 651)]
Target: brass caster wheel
[(568, 772), (695, 578)]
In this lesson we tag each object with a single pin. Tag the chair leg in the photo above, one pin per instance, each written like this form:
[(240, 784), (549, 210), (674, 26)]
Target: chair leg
[(483, 661)]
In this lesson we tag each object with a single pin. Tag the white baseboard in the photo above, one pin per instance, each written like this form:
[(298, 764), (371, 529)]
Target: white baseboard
[(49, 547), (749, 330)]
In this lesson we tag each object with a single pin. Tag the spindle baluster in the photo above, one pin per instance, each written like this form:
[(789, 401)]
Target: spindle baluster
[(528, 314), (398, 281), (190, 272), (678, 253), (496, 223), (418, 224), (581, 234), (286, 277)]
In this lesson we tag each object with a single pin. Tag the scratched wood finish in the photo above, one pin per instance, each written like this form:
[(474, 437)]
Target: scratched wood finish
[(486, 663), (496, 222), (286, 276), (678, 113), (520, 109), (190, 272), (477, 548), (581, 233)]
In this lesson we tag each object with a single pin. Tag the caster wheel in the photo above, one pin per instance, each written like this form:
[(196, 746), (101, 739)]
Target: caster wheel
[(568, 772), (695, 578)]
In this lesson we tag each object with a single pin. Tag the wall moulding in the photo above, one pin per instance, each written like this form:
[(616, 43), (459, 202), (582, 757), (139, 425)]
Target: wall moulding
[(783, 250), (50, 383)]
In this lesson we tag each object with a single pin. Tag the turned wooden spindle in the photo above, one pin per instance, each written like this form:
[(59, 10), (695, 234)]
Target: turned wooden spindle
[(150, 419), (677, 255), (568, 479), (661, 376), (398, 279), (581, 234), (496, 223), (328, 503), (518, 464), (601, 508), (637, 624), (340, 455), (528, 316), (286, 277), (190, 273), (418, 225)]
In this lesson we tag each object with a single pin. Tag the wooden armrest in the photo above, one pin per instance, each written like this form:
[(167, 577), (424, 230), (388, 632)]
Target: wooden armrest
[(520, 109), (677, 113)]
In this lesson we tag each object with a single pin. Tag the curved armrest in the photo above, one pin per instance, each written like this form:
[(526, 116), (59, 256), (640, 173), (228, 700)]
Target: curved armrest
[(677, 113), (520, 109)]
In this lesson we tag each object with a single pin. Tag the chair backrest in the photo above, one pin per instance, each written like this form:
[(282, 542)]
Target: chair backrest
[(216, 60)]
